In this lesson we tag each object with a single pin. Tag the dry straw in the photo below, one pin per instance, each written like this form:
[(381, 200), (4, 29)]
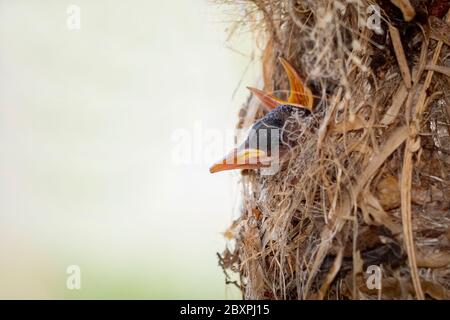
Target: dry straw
[(369, 184)]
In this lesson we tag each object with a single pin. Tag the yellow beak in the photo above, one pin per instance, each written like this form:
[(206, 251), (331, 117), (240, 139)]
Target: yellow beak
[(242, 159)]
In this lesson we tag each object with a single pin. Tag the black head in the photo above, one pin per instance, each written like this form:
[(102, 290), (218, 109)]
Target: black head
[(276, 122), (268, 135)]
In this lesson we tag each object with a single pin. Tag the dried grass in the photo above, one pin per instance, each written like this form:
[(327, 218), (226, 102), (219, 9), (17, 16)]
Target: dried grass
[(369, 183)]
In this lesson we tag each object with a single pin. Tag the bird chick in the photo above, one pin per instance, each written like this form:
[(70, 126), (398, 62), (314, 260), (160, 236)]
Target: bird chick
[(268, 139)]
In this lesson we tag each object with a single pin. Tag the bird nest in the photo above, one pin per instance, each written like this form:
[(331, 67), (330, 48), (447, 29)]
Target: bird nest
[(362, 208)]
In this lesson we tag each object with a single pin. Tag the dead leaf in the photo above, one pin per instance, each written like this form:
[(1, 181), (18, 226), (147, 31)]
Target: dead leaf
[(388, 192), (400, 54), (374, 214), (435, 290), (397, 101), (354, 122), (433, 260)]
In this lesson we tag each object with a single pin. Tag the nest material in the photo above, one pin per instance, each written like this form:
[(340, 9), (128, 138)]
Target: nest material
[(369, 184)]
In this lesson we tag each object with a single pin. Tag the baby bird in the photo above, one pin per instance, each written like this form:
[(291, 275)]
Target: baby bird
[(268, 139)]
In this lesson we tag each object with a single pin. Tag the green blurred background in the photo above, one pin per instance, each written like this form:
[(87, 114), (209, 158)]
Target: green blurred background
[(86, 119)]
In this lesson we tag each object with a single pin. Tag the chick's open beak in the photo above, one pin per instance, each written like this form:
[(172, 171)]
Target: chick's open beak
[(242, 158), (299, 94)]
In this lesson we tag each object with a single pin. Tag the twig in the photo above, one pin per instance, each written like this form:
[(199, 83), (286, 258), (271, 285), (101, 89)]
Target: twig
[(440, 69), (397, 101), (400, 54)]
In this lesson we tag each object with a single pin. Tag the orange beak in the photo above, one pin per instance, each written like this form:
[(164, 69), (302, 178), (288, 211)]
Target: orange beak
[(241, 158), (299, 95), (268, 100)]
